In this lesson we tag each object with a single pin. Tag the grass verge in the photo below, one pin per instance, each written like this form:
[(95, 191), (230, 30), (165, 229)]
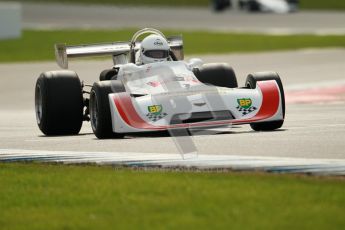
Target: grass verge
[(43, 196), (38, 45), (304, 4), (322, 5), (178, 3)]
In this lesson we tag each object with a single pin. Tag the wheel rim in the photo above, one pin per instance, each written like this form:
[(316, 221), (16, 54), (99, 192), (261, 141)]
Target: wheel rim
[(93, 110), (38, 104)]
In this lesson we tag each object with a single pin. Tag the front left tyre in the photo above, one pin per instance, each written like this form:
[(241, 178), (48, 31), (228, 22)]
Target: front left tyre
[(251, 81), (59, 103)]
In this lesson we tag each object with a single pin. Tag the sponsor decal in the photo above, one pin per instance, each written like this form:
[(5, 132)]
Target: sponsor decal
[(245, 106), (244, 102), (155, 112), (158, 42), (155, 109)]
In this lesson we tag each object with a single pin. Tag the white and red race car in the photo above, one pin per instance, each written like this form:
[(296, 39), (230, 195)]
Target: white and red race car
[(174, 94)]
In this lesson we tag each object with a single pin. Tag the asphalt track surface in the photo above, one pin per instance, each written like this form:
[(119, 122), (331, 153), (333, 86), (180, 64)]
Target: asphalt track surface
[(314, 126), (49, 16)]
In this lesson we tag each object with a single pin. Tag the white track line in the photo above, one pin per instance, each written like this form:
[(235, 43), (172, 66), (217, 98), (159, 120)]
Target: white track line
[(204, 161)]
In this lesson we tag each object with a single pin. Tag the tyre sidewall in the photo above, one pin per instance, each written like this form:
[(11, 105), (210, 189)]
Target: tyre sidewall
[(251, 81), (62, 103), (100, 94)]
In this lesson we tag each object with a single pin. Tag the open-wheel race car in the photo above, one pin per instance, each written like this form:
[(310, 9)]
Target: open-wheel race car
[(151, 88)]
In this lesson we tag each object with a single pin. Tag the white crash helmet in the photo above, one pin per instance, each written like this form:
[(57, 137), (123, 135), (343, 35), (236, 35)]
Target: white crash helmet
[(154, 48)]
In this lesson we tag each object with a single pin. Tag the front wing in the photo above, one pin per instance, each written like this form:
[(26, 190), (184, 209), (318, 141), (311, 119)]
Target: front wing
[(130, 114)]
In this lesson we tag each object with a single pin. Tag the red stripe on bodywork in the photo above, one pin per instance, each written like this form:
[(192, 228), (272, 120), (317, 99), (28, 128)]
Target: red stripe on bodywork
[(124, 105), (270, 100), (270, 105)]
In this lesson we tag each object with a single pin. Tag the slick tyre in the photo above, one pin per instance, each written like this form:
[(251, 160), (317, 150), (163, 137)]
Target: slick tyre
[(108, 74), (251, 83), (217, 74), (59, 103), (253, 6), (220, 5), (100, 114)]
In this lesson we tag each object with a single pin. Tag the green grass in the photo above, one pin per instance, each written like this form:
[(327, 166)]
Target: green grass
[(38, 45), (322, 4), (41, 196), (304, 4), (201, 3)]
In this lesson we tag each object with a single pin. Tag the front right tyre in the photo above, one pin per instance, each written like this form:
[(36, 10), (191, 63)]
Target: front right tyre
[(100, 114)]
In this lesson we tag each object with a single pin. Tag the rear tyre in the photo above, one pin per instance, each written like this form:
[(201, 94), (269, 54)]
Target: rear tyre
[(108, 74), (220, 5), (251, 83), (253, 6), (100, 115), (217, 74), (59, 103)]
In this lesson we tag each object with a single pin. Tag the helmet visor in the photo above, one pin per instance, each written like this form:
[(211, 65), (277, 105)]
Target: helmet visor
[(156, 53)]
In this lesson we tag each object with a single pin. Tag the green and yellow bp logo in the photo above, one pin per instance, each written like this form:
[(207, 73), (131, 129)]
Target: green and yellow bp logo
[(155, 109), (245, 103)]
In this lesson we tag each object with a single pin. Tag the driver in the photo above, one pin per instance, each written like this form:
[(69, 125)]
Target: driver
[(154, 48)]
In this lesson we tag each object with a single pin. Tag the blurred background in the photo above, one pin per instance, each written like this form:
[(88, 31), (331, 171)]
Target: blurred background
[(21, 21)]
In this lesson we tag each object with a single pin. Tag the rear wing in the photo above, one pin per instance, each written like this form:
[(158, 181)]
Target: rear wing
[(118, 50)]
